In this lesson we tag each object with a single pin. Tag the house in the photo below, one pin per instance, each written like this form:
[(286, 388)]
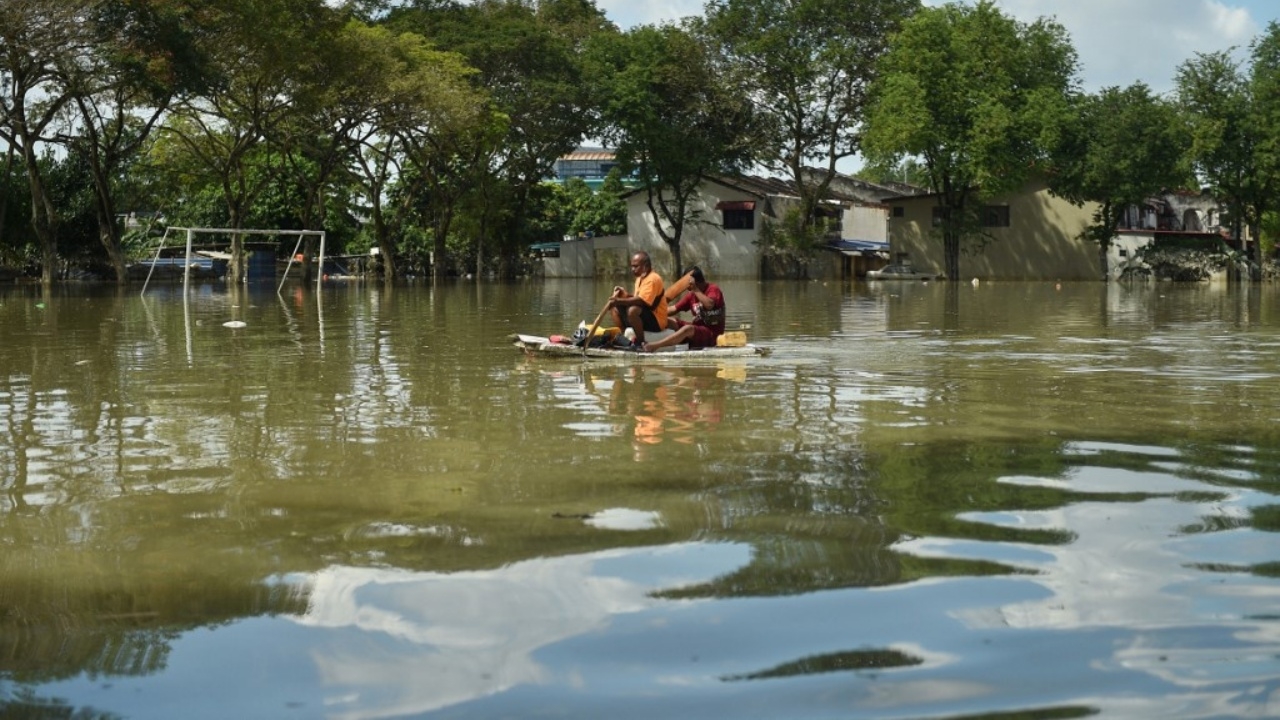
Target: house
[(728, 214), (726, 234), (1028, 235), (864, 232), (732, 212), (1035, 235)]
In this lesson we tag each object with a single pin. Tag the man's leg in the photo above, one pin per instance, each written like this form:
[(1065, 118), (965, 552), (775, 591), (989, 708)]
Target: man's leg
[(674, 338), (635, 321)]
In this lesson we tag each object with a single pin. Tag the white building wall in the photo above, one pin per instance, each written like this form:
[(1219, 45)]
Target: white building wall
[(866, 222), (1123, 252), (720, 253), (588, 257)]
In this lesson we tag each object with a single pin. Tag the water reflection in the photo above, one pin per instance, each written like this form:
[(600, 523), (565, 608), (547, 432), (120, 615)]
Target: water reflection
[(364, 504), (430, 641), (651, 404), (1132, 566)]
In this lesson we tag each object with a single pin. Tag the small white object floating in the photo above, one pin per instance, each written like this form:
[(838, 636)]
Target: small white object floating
[(234, 324)]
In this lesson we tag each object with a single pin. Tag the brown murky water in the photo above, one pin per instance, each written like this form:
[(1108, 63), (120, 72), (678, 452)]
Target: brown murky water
[(365, 503)]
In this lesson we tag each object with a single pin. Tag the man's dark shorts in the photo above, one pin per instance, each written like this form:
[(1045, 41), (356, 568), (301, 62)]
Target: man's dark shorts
[(650, 321)]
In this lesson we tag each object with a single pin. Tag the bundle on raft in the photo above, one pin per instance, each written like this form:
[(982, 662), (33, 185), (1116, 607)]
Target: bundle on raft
[(610, 344)]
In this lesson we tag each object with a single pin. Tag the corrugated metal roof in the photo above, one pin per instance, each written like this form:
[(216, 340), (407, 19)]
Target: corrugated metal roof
[(597, 155)]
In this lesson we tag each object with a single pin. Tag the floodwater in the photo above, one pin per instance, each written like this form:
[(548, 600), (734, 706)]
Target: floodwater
[(930, 501)]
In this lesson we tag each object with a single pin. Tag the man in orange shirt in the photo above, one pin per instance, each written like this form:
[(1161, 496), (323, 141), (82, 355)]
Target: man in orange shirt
[(645, 308)]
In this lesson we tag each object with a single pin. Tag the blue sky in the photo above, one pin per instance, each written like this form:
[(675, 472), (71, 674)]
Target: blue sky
[(1119, 42)]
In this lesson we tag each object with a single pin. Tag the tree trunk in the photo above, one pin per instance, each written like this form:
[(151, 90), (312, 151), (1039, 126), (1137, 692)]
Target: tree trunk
[(109, 235), (386, 248), (480, 244), (236, 266), (44, 218), (1255, 232), (4, 194), (440, 231), (951, 253)]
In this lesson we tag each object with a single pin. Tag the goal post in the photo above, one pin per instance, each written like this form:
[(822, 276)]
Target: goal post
[(191, 233)]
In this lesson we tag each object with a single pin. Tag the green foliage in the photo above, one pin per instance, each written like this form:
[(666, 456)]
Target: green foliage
[(70, 187), (907, 170), (808, 64), (283, 100), (1215, 94), (1270, 234), (1234, 115), (979, 98), (793, 237), (18, 242), (575, 209), (1122, 146), (529, 63), (672, 117)]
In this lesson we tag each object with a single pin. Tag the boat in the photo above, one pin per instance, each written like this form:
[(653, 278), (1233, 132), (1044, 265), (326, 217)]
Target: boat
[(901, 272), (539, 346)]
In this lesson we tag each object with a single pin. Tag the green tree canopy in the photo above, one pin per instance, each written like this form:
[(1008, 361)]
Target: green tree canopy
[(980, 98), (673, 119), (1123, 146), (1234, 114), (808, 66), (528, 60)]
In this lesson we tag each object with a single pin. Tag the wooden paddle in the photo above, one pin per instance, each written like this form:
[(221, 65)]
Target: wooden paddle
[(586, 341), (679, 286)]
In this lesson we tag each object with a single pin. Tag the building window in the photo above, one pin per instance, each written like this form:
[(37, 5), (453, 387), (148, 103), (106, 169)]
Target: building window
[(899, 211), (995, 216), (739, 219), (738, 214)]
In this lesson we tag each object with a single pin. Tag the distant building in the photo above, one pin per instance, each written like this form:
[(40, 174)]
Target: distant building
[(1032, 234), (590, 164), (725, 234)]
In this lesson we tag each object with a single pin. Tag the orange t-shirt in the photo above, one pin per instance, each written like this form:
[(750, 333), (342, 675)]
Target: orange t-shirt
[(650, 289)]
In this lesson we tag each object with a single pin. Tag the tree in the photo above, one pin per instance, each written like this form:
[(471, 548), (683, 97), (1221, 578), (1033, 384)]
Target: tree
[(370, 83), (447, 160), (528, 60), (1265, 84), (980, 98), (807, 65), (143, 56), (672, 118), (604, 212), (906, 170), (1235, 121), (1123, 146), (400, 87), (573, 208), (1216, 96), (262, 52), (40, 43)]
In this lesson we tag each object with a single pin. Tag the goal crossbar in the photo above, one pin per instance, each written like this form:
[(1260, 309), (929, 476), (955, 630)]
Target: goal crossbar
[(192, 232)]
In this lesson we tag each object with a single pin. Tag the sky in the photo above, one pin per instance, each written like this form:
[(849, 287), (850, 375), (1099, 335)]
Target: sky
[(1119, 42)]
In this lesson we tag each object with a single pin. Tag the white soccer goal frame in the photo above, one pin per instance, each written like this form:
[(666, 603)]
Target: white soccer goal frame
[(192, 232)]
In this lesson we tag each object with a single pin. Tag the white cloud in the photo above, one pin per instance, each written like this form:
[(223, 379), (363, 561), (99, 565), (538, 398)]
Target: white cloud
[(1119, 43), (628, 13), (1142, 40)]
